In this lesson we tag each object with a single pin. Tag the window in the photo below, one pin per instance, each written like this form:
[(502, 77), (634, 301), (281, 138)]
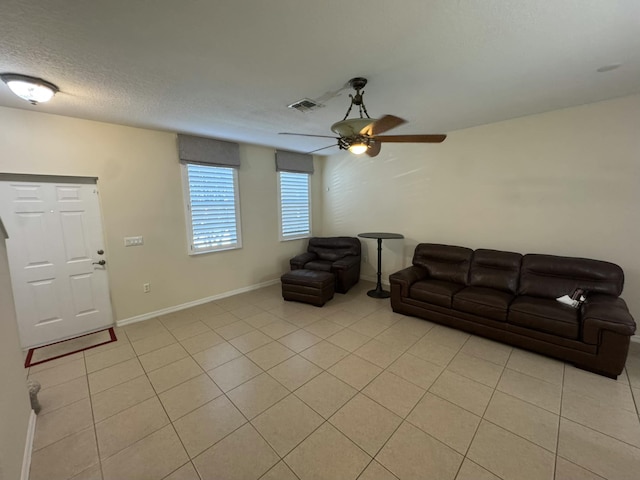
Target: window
[(295, 217), (213, 209)]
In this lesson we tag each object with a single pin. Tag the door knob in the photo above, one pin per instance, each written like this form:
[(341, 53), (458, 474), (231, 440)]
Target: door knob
[(100, 262)]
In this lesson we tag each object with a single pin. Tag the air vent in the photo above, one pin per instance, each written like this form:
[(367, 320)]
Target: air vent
[(305, 105)]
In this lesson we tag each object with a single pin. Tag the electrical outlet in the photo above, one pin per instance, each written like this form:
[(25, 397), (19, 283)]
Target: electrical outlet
[(133, 241), (146, 287)]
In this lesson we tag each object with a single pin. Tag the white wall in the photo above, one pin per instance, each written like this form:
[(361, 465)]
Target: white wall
[(565, 182), (141, 194), (15, 407)]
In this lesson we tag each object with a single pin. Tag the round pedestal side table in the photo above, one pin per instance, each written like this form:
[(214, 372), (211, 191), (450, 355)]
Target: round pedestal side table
[(378, 292)]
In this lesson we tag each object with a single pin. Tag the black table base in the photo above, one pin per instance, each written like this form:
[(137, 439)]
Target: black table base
[(378, 292)]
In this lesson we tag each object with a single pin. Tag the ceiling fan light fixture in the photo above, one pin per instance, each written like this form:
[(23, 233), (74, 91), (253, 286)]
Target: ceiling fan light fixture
[(32, 89), (351, 126), (358, 148), (362, 135)]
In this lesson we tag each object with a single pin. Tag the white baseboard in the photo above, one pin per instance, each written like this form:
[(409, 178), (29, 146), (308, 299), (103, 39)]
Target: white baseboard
[(195, 303), (28, 446), (635, 338)]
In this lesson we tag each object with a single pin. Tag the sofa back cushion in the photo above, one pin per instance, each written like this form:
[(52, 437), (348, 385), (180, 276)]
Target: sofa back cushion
[(444, 262), (551, 276), (495, 269), (334, 248)]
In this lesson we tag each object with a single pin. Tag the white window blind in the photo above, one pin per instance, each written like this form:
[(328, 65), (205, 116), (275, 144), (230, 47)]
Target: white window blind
[(295, 215), (213, 208)]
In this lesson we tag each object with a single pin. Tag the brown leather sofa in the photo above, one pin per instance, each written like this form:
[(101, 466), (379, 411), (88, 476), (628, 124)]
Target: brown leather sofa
[(511, 298), (337, 255)]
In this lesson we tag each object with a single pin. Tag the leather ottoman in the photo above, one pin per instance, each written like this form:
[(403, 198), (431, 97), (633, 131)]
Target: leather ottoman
[(308, 286)]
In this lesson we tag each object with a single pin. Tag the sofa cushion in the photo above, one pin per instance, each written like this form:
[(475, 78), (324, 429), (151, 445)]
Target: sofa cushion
[(437, 292), (331, 254), (546, 315), (444, 262), (322, 265), (334, 248), (486, 302), (495, 269), (551, 276), (308, 278)]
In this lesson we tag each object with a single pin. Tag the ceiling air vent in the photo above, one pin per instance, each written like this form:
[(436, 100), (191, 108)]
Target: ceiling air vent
[(305, 105)]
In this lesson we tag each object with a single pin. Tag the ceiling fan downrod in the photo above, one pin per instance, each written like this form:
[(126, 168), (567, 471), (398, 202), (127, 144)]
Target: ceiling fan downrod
[(357, 83)]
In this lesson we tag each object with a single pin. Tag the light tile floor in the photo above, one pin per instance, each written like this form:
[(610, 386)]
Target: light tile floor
[(252, 387)]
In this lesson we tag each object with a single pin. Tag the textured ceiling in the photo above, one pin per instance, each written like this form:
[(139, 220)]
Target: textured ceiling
[(229, 68)]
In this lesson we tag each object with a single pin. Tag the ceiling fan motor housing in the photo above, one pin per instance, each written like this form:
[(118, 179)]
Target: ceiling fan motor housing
[(351, 126)]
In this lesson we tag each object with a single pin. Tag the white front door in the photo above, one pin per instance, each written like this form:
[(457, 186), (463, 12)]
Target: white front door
[(55, 241)]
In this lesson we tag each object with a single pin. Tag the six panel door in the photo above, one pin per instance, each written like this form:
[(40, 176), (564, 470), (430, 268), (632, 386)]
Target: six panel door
[(55, 234)]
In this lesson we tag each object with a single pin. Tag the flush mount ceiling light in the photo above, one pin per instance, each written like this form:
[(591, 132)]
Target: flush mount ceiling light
[(31, 89)]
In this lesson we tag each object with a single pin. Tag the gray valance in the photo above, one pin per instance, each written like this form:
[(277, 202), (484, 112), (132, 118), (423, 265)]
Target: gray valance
[(208, 151), (293, 162)]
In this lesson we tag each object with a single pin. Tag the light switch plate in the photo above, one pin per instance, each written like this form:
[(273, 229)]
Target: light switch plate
[(133, 241)]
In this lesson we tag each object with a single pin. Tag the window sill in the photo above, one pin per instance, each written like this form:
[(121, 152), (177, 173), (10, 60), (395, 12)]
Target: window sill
[(203, 252), (300, 237)]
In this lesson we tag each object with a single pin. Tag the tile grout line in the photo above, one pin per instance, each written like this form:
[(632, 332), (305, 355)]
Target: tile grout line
[(157, 396), (475, 433), (325, 421), (525, 400), (636, 401), (404, 419), (86, 377), (167, 414), (636, 447), (555, 463), (405, 351), (560, 417), (137, 357), (247, 420), (93, 418)]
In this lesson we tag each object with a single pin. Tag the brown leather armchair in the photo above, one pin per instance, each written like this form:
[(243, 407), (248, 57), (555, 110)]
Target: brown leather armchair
[(337, 255)]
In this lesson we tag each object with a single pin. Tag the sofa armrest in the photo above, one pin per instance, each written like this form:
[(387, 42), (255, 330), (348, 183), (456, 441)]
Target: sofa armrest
[(406, 277), (346, 263), (605, 312), (299, 261)]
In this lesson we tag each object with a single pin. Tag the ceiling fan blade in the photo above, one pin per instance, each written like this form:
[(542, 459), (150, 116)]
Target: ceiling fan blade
[(411, 138), (382, 125), (307, 135), (374, 149), (323, 148)]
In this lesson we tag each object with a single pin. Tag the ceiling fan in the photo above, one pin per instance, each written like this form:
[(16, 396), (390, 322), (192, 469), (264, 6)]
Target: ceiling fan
[(362, 135)]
